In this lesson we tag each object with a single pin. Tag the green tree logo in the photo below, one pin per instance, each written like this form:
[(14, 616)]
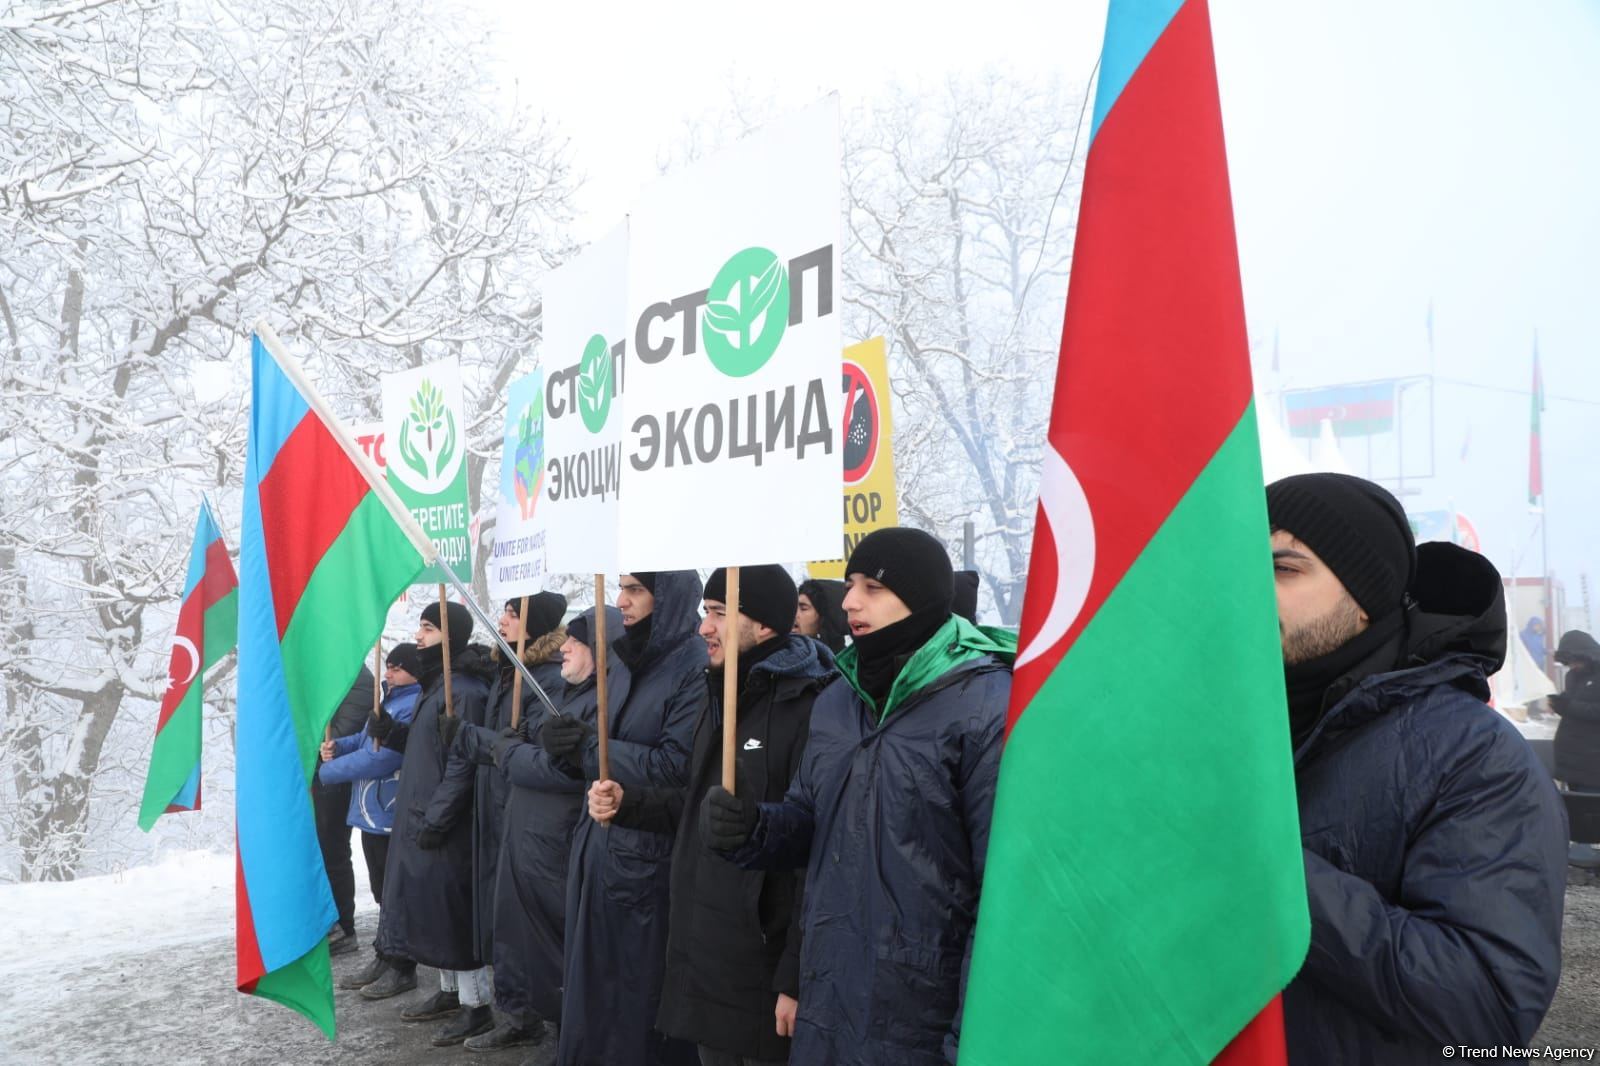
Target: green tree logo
[(594, 383), (528, 462), (428, 434), (747, 310)]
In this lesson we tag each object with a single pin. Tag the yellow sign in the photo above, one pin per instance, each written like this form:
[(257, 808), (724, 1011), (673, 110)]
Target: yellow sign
[(870, 500)]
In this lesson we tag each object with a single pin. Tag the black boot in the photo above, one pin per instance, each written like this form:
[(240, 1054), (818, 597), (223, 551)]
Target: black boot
[(439, 1005), (468, 1022), (507, 1034), (366, 975), (342, 944), (395, 980)]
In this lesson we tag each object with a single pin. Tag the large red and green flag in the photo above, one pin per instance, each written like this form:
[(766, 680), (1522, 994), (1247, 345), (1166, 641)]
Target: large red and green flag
[(207, 627), (322, 556), (1535, 446), (1144, 896)]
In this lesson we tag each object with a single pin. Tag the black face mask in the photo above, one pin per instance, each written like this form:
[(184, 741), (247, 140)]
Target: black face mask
[(430, 664), (1317, 684), (882, 653), (631, 646)]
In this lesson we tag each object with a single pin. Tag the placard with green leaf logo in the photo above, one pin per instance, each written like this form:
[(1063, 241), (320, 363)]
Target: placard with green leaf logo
[(424, 433)]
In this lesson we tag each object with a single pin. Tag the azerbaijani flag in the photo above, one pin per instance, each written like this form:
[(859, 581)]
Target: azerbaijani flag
[(1144, 896), (207, 630), (321, 560)]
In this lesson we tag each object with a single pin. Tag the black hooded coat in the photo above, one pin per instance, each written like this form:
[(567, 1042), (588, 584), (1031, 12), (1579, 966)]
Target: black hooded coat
[(472, 757), (1578, 736), (618, 878), (427, 911), (1435, 846)]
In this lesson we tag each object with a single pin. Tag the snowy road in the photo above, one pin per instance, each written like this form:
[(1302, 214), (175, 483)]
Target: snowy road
[(138, 968)]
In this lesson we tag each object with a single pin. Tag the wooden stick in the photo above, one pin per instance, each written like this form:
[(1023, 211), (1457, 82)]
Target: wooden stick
[(516, 675), (377, 685), (444, 627), (730, 678), (602, 753)]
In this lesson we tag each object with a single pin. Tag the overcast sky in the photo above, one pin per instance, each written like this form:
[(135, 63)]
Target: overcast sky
[(1383, 155)]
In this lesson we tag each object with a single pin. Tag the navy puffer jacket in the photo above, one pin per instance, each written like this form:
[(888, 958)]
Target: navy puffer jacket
[(1435, 847)]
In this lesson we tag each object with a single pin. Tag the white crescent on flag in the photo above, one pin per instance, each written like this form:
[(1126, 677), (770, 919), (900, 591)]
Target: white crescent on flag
[(186, 645), (1066, 507)]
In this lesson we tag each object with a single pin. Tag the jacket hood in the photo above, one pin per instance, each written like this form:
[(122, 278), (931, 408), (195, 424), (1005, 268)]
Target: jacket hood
[(675, 617), (1460, 608), (799, 657), (539, 650), (475, 661), (956, 643), (1577, 647)]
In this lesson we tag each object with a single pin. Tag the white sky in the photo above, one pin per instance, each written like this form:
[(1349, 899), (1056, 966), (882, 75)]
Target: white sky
[(1383, 154)]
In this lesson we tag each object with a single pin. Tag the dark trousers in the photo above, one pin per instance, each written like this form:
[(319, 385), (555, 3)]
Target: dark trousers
[(709, 1057), (332, 805), (375, 848)]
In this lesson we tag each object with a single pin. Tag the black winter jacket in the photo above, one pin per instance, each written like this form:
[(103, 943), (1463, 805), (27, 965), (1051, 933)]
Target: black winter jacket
[(733, 940), (1577, 742), (1435, 847), (427, 911)]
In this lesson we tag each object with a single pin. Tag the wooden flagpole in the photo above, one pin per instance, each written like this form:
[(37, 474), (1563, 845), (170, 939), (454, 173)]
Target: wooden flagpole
[(730, 678), (602, 752), (444, 627), (516, 675)]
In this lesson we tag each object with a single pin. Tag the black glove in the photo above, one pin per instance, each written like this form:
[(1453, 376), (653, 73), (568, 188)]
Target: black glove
[(726, 820), (430, 838), (449, 726), (563, 736), (511, 731), (378, 729), (502, 747)]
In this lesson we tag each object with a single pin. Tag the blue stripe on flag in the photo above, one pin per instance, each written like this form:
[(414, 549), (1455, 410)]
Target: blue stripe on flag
[(1132, 27)]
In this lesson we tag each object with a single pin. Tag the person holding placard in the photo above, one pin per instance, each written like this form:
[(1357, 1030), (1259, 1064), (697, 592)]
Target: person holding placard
[(542, 810), (733, 942), (617, 881), (429, 875), (540, 637), (888, 812)]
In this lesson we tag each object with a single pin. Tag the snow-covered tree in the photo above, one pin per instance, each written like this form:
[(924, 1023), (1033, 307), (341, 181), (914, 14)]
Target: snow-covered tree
[(168, 174)]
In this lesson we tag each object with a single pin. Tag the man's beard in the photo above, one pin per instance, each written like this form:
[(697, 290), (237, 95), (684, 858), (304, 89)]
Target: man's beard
[(1323, 635)]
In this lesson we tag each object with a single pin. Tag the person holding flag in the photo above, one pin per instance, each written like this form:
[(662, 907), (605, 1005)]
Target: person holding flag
[(733, 940), (888, 813), (429, 875), (372, 773), (1435, 844)]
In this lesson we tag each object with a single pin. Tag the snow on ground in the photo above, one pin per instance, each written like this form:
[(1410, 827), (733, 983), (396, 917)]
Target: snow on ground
[(137, 967)]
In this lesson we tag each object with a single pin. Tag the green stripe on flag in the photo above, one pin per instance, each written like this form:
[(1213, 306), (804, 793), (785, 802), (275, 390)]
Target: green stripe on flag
[(340, 615), (221, 627), (172, 757), (1144, 885), (305, 985)]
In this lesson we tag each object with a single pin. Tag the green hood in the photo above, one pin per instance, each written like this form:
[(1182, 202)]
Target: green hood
[(958, 641)]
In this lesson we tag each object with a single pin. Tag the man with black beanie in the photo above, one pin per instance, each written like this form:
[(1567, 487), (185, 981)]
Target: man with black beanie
[(888, 812), (472, 756), (733, 942), (1435, 844), (428, 880)]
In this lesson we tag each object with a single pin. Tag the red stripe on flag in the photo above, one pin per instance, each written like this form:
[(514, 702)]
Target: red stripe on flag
[(1261, 1043), (218, 579), (306, 500), (1154, 293), (190, 614), (250, 968)]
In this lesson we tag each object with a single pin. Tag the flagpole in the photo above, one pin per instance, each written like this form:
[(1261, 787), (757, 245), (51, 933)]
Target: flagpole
[(730, 678), (602, 725), (398, 511)]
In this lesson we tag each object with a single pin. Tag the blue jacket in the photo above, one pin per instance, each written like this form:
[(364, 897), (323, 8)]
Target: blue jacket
[(375, 775), (1435, 847)]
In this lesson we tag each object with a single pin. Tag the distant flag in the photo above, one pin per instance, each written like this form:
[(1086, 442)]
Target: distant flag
[(1535, 454), (1123, 918), (1274, 349), (208, 616), (322, 556)]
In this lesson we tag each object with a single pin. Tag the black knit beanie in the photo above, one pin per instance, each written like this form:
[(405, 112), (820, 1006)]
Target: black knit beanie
[(1357, 528), (460, 624), (403, 655), (766, 594), (909, 563), (544, 612)]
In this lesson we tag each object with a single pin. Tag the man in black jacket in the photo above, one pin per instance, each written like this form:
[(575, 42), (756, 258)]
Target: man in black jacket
[(733, 941), (1435, 844), (331, 803), (1577, 743)]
